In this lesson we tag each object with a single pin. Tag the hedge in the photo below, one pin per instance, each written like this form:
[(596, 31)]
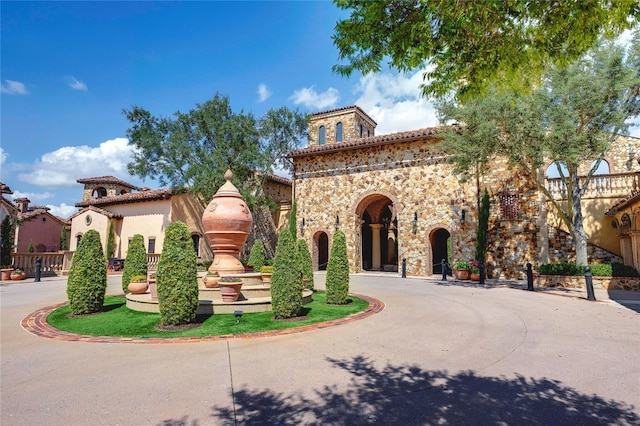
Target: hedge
[(135, 262), (597, 269), (87, 282)]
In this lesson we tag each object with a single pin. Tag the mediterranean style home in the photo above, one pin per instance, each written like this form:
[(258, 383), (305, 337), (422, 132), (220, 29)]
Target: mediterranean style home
[(32, 225), (395, 198), (109, 202)]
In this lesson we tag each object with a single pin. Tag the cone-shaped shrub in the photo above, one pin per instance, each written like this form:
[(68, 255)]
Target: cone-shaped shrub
[(87, 281), (256, 256), (176, 277), (136, 261), (293, 220), (286, 281), (338, 271), (304, 257)]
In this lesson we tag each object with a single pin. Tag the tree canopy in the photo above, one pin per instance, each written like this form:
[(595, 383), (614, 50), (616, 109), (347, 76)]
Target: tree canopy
[(194, 149), (570, 119), (468, 44)]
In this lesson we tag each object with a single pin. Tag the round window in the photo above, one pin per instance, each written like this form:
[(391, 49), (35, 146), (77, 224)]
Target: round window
[(87, 219)]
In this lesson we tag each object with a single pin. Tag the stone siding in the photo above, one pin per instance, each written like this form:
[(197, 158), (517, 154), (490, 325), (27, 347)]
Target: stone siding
[(561, 249), (351, 120), (609, 283)]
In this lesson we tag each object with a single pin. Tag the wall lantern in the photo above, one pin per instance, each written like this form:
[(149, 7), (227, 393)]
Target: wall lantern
[(463, 215), (302, 227), (415, 222), (337, 224)]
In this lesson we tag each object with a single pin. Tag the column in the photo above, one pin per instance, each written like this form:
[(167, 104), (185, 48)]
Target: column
[(375, 246)]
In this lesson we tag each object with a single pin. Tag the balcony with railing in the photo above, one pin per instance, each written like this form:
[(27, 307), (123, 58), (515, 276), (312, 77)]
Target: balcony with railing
[(609, 185)]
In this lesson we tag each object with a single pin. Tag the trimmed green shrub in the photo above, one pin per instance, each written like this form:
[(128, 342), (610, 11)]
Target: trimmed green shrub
[(293, 220), (136, 261), (267, 269), (483, 227), (63, 238), (30, 248), (256, 256), (286, 281), (304, 257), (6, 234), (176, 277), (138, 278), (111, 240), (597, 270), (338, 271), (87, 282)]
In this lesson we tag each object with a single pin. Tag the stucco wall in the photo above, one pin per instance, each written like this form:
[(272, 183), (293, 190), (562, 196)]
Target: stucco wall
[(79, 226), (42, 230), (148, 219)]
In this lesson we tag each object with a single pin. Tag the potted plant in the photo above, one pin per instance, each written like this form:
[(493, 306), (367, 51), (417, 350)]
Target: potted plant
[(230, 288), (138, 284), (266, 271), (475, 270), (6, 272), (211, 279), (18, 274), (462, 269)]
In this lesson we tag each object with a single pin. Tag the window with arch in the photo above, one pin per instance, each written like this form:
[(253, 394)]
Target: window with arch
[(196, 243), (361, 130), (78, 238), (99, 192), (322, 135), (339, 132), (603, 168)]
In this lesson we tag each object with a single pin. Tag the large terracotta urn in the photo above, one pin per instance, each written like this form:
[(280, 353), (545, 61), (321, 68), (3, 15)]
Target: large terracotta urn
[(227, 221)]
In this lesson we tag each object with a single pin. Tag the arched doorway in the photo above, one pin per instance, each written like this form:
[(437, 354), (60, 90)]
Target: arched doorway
[(378, 233), (440, 240), (320, 251)]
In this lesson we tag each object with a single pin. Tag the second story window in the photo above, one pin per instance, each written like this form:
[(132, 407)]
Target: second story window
[(509, 206), (339, 132), (361, 130), (152, 245), (322, 135)]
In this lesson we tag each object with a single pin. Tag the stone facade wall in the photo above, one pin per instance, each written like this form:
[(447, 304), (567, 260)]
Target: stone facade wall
[(561, 249), (112, 190), (415, 176), (609, 283)]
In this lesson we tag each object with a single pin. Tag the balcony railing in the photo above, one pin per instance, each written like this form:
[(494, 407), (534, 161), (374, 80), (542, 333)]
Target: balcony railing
[(612, 185)]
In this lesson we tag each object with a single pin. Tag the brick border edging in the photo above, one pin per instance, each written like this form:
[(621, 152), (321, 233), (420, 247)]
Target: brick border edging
[(36, 323)]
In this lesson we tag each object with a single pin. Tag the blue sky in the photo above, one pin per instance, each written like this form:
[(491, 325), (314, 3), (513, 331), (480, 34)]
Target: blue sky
[(68, 69)]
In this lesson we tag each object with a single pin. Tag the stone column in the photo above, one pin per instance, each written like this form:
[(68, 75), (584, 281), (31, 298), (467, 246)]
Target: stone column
[(375, 246)]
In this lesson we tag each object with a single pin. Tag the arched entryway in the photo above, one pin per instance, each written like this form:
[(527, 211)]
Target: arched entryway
[(378, 233), (440, 240), (320, 253)]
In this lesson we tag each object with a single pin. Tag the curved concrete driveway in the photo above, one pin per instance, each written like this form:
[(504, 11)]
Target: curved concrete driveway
[(437, 354)]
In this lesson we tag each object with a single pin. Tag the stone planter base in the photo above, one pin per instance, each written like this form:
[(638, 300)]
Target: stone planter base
[(608, 283)]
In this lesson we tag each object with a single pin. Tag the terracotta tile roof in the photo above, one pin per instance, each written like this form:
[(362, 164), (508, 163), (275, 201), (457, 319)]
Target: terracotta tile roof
[(625, 202), (280, 179), (31, 214), (131, 197), (4, 189), (107, 179), (429, 132), (98, 210), (10, 204), (331, 111)]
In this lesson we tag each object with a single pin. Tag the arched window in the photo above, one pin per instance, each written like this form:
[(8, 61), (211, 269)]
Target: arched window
[(322, 135), (339, 132), (361, 130), (552, 170), (78, 238), (603, 168), (196, 243), (99, 192)]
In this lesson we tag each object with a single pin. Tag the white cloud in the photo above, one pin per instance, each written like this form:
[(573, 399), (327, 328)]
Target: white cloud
[(63, 210), (263, 92), (13, 88), (308, 97), (62, 167), (394, 101), (76, 84), (34, 197), (3, 156)]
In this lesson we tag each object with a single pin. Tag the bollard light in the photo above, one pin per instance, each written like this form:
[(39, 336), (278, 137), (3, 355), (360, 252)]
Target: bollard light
[(238, 315)]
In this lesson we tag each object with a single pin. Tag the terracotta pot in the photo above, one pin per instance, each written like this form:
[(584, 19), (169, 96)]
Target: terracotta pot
[(138, 287), (230, 291), (227, 221), (211, 281), (6, 273), (475, 277), (266, 279), (463, 274), (18, 277)]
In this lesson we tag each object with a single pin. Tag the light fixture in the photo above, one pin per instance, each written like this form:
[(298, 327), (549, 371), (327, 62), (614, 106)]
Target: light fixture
[(415, 222), (337, 224), (302, 227), (463, 215), (238, 315)]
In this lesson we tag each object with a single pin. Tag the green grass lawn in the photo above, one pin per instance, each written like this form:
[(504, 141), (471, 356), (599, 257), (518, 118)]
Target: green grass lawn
[(118, 320)]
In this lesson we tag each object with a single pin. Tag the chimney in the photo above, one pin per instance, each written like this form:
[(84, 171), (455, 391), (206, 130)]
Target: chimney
[(22, 204)]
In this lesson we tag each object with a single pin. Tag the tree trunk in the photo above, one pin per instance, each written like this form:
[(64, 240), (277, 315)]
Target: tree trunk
[(578, 234)]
